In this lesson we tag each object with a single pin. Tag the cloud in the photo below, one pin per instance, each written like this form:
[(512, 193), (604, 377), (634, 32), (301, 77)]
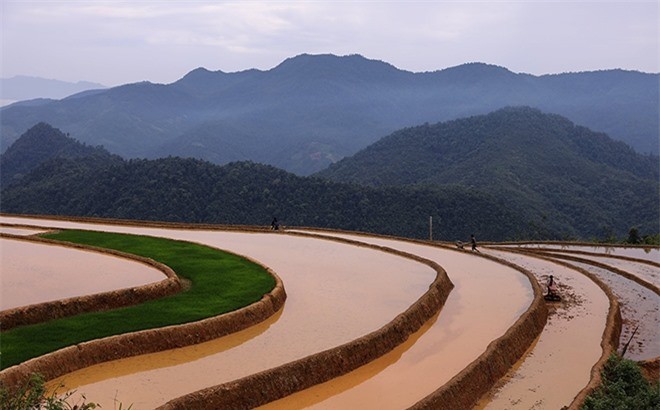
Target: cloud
[(121, 41)]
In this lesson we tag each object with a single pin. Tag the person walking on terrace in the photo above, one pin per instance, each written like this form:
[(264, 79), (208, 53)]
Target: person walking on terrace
[(474, 243)]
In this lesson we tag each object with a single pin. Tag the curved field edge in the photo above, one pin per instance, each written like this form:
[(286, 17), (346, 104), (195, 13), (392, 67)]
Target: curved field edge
[(611, 333), (620, 272), (78, 355), (232, 391), (272, 384), (466, 388), (42, 312), (279, 382)]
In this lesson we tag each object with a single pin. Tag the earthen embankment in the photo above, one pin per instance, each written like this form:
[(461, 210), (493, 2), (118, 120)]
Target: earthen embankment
[(86, 354), (611, 333), (41, 312), (281, 381), (464, 390)]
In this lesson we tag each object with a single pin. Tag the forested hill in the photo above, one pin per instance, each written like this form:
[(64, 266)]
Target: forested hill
[(312, 110), (188, 190), (40, 144), (543, 164), (575, 185)]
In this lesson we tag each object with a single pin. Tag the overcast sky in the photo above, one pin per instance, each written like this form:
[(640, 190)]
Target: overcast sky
[(117, 42)]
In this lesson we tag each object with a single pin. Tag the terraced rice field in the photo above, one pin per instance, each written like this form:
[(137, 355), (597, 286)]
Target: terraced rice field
[(341, 291)]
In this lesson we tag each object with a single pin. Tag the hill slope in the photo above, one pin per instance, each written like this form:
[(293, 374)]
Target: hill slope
[(312, 110), (69, 178), (188, 190), (542, 164), (542, 189), (40, 144)]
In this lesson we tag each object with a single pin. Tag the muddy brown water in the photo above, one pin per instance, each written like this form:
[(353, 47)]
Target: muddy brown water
[(640, 306), (336, 293), (644, 271), (558, 366), (20, 231), (648, 253), (540, 380), (487, 298), (640, 312), (35, 272)]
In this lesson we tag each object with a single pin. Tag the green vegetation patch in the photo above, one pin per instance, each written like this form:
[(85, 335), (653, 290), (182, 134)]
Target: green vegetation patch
[(220, 282), (33, 395), (623, 387)]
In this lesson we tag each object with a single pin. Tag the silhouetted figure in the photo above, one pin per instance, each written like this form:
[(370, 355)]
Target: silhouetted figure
[(552, 286), (274, 225), (553, 291), (474, 243)]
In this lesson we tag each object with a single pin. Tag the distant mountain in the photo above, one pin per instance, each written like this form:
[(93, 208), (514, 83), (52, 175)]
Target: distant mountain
[(312, 110), (40, 144), (547, 168), (188, 190), (20, 88)]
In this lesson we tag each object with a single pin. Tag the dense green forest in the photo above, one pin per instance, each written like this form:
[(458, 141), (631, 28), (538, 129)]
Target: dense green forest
[(504, 207), (39, 144), (544, 166), (189, 190)]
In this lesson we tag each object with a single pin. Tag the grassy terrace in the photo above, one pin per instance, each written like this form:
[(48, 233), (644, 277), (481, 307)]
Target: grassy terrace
[(220, 282)]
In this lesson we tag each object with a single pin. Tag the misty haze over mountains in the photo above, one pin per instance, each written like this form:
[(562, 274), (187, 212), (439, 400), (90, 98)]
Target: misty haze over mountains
[(21, 88), (312, 110)]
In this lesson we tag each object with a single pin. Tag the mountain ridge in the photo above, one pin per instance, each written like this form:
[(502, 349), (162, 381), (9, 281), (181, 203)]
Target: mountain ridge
[(24, 87), (311, 110)]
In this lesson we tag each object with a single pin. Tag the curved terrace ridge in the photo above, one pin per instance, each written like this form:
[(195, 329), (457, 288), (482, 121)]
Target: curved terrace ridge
[(463, 390), (41, 312), (80, 355)]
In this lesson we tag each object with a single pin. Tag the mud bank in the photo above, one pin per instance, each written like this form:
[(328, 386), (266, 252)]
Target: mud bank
[(86, 354), (531, 319), (269, 385), (465, 389), (461, 392), (133, 223), (41, 312), (390, 281), (651, 369), (611, 333), (621, 272)]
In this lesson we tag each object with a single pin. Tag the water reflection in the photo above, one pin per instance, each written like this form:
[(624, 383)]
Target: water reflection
[(160, 360)]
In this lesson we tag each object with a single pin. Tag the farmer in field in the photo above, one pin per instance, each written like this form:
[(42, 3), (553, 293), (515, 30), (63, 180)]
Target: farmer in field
[(474, 243), (552, 286)]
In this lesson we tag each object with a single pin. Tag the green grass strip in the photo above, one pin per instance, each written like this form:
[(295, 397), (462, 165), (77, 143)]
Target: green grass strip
[(220, 282)]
